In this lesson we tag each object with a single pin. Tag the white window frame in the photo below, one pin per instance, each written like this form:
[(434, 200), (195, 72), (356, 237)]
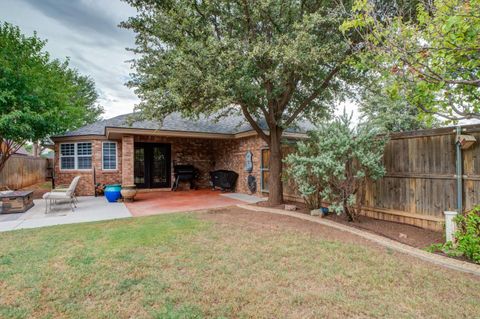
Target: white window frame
[(75, 156), (116, 157), (61, 156)]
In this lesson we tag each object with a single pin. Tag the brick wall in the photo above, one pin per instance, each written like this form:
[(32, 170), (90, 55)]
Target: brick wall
[(86, 183), (230, 154), (205, 154), (195, 151), (127, 160)]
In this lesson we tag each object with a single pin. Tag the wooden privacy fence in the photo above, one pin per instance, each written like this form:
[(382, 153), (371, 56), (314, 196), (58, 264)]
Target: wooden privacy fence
[(22, 171), (420, 183)]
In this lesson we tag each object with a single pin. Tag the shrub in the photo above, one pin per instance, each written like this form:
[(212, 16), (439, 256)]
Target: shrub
[(467, 237), (334, 164)]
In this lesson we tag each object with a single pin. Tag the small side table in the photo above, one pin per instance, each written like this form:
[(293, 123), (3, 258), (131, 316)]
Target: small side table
[(16, 201)]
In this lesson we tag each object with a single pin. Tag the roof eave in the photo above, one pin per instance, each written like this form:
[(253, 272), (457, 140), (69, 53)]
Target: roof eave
[(115, 132)]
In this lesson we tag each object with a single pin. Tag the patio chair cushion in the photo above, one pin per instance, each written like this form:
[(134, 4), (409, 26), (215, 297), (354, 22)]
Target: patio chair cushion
[(56, 195)]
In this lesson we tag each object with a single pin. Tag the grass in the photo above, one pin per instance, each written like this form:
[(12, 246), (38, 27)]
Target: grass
[(182, 266)]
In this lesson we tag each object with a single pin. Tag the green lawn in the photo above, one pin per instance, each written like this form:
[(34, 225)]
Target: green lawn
[(197, 266)]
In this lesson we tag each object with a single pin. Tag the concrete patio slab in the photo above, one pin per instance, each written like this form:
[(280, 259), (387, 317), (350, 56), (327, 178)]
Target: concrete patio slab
[(250, 199), (9, 225), (88, 209), (163, 202)]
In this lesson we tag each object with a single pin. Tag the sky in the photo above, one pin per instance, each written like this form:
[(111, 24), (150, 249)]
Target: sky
[(87, 32)]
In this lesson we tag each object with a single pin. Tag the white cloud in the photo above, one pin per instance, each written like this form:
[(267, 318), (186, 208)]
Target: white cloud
[(86, 31)]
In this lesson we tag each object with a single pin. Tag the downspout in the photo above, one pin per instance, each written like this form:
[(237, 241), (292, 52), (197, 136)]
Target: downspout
[(459, 172), (94, 182), (450, 225)]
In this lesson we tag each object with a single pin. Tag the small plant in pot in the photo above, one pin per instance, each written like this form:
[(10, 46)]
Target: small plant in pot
[(128, 192)]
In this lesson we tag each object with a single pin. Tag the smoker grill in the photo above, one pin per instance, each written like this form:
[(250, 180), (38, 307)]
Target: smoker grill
[(224, 179), (186, 173)]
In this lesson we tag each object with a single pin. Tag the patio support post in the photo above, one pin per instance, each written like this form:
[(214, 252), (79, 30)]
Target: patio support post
[(127, 160)]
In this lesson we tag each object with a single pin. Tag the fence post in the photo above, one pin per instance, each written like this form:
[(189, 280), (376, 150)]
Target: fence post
[(450, 226)]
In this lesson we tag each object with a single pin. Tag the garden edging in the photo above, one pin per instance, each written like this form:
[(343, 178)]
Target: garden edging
[(388, 243)]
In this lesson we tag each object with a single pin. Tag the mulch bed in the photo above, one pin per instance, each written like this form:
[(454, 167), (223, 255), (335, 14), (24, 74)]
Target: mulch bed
[(301, 208), (406, 234)]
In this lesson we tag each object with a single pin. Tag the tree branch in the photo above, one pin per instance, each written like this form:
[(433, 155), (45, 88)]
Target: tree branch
[(254, 123), (7, 148), (287, 94), (313, 96)]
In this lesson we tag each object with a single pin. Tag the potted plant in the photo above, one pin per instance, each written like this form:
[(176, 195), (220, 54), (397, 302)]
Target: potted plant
[(112, 192), (128, 192)]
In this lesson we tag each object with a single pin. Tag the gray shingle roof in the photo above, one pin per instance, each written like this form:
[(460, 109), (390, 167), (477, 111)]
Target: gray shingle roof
[(231, 124)]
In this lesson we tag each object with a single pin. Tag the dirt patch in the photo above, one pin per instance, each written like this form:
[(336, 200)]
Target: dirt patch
[(406, 234), (264, 221), (39, 189)]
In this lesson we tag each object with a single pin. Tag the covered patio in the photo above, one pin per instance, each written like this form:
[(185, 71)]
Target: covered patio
[(90, 208), (161, 202)]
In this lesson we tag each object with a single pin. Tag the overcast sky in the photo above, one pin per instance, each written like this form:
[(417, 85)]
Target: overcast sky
[(87, 32)]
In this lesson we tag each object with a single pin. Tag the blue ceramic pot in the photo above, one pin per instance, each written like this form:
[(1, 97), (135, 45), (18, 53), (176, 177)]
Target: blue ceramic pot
[(112, 192), (324, 210)]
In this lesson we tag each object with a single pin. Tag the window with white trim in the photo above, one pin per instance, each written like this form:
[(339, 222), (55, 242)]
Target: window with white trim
[(109, 155), (67, 156), (76, 155)]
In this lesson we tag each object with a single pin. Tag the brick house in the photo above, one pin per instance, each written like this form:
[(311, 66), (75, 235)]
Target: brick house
[(124, 151)]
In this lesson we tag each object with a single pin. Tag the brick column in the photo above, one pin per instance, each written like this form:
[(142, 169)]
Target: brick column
[(127, 160)]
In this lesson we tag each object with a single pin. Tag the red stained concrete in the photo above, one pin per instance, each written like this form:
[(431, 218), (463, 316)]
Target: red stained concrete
[(152, 203)]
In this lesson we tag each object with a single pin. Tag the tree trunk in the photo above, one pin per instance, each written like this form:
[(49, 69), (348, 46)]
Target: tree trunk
[(275, 186), (346, 210), (35, 149)]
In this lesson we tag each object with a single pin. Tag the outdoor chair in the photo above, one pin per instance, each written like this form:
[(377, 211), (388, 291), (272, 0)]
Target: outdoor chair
[(64, 189), (63, 195)]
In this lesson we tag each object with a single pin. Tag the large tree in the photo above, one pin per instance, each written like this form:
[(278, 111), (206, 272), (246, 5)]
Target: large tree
[(39, 96), (387, 109), (274, 61), (432, 54)]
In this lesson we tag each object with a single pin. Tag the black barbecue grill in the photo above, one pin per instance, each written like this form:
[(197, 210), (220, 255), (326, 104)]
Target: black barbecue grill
[(184, 173)]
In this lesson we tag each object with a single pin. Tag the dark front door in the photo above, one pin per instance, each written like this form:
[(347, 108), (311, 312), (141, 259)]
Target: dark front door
[(152, 165)]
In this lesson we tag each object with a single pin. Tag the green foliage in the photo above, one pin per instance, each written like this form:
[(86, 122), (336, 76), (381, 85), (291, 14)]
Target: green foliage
[(274, 61), (39, 96), (434, 57), (384, 107), (467, 237), (202, 56), (433, 248), (334, 163)]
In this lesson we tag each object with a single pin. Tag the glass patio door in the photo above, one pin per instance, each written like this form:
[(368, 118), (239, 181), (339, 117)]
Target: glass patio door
[(139, 170), (160, 166), (152, 165)]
